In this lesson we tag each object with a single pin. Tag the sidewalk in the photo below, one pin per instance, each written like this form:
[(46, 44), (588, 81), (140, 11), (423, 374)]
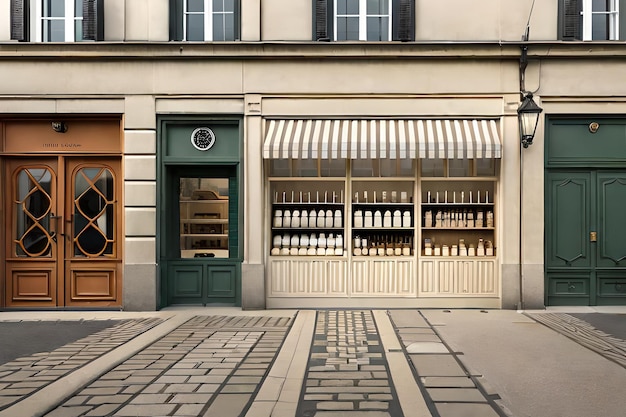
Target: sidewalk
[(226, 362)]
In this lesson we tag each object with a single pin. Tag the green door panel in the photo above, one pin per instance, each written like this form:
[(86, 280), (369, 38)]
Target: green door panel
[(571, 142), (568, 211), (568, 288), (222, 282), (612, 219), (185, 282)]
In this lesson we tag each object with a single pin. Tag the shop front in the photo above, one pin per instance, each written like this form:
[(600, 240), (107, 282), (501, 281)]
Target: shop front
[(383, 212), (200, 216)]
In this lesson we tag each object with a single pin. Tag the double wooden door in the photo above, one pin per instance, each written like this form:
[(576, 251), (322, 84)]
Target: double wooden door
[(62, 232), (586, 237)]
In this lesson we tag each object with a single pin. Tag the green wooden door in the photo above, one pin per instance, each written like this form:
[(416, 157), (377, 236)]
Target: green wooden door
[(586, 237)]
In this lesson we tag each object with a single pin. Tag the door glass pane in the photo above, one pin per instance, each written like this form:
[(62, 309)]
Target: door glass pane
[(203, 217), (33, 205), (94, 212)]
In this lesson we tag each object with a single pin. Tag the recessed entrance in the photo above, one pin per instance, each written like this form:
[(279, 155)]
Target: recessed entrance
[(62, 234)]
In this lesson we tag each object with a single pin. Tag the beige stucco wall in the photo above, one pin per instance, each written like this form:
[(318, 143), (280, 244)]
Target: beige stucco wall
[(279, 20)]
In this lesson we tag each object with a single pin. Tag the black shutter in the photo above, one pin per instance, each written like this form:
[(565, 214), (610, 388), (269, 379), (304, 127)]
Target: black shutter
[(93, 20), (176, 20), (19, 20), (321, 26), (404, 20), (570, 20)]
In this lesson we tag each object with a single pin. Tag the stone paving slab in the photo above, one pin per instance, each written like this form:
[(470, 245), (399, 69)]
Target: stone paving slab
[(450, 388)]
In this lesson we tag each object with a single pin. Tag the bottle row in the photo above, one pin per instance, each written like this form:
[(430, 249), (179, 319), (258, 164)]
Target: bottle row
[(382, 246), (308, 219), (385, 219), (483, 248), (382, 197), (438, 197), (307, 244), (458, 218)]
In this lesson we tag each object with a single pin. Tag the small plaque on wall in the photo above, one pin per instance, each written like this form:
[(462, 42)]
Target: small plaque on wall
[(203, 138)]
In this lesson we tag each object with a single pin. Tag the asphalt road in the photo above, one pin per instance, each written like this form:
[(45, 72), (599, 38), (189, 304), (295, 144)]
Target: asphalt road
[(24, 338), (613, 324)]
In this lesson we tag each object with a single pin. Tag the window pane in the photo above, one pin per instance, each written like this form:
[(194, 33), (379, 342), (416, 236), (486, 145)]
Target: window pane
[(93, 219), (377, 7), (33, 209), (195, 27), (364, 167), (347, 28), (432, 167), (53, 31), (78, 8), (485, 167), (78, 30), (224, 27), (280, 168), (377, 29), (229, 5), (347, 7), (600, 5), (204, 217), (333, 167), (54, 8), (459, 167), (195, 5), (305, 168), (600, 27)]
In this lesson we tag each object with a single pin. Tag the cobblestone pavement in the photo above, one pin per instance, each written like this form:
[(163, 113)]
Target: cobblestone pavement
[(309, 363), (347, 369), (23, 376), (208, 366)]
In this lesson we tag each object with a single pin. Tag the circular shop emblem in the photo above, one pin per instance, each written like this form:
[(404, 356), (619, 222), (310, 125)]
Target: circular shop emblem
[(203, 138)]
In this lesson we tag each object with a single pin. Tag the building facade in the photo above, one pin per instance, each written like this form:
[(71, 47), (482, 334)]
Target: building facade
[(311, 153)]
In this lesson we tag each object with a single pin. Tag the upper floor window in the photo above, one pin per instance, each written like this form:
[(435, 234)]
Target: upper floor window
[(592, 20), (57, 20), (364, 20), (204, 20)]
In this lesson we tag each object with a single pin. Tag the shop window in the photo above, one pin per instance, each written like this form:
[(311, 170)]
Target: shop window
[(383, 167), (364, 20), (482, 167), (204, 20), (592, 20), (57, 20)]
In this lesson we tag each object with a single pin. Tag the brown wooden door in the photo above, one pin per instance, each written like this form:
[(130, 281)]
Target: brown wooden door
[(64, 232)]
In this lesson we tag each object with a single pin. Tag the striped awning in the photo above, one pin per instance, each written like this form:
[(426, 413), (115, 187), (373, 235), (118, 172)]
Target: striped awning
[(380, 139)]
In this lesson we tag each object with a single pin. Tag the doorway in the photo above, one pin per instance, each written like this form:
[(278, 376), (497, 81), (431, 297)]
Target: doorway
[(201, 236), (63, 232), (586, 237)]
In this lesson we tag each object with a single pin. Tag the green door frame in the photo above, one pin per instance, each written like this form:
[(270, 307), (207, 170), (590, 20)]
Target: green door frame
[(200, 281)]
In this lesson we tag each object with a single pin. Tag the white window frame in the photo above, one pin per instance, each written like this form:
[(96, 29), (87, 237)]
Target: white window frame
[(70, 19), (363, 19), (588, 14), (208, 19)]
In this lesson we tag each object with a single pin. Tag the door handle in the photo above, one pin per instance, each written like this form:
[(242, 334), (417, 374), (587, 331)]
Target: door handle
[(593, 236)]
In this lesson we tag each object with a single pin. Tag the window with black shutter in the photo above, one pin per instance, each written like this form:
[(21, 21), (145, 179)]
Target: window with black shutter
[(326, 22), (204, 20), (592, 21)]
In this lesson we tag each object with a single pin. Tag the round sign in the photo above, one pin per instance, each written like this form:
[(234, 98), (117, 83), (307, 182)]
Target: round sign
[(203, 138)]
